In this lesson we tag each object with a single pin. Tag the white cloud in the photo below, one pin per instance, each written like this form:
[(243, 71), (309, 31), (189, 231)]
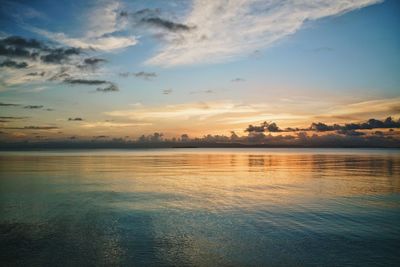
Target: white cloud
[(104, 43), (103, 22), (228, 29)]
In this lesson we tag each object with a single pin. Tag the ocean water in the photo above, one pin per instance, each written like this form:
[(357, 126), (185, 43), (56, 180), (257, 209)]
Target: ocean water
[(200, 207)]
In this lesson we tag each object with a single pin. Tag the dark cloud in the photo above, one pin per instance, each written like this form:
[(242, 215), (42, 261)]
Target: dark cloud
[(321, 127), (8, 105), (110, 88), (18, 47), (22, 42), (166, 24), (60, 55), (62, 74), (11, 118), (145, 75), (152, 18), (370, 124), (141, 74), (36, 74), (94, 61), (238, 80), (33, 107), (91, 63), (75, 119), (264, 127), (32, 128), (13, 64), (350, 132), (85, 82), (40, 127), (167, 91), (16, 52), (100, 136)]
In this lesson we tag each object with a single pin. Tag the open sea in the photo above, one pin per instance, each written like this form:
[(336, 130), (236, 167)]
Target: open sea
[(200, 207)]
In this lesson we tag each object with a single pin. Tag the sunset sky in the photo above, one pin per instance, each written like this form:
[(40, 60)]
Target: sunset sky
[(126, 68)]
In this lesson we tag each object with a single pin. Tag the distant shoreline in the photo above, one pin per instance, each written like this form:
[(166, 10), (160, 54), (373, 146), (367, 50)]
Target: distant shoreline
[(97, 146)]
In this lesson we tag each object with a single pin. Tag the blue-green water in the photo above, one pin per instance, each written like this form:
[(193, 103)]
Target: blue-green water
[(200, 207)]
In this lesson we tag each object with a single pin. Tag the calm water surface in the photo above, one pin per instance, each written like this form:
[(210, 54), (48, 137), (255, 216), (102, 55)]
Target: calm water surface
[(200, 207)]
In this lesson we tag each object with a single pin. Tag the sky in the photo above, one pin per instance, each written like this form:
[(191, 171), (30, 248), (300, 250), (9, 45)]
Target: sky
[(127, 68)]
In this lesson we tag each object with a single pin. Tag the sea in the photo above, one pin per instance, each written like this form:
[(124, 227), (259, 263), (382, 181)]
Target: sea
[(200, 207)]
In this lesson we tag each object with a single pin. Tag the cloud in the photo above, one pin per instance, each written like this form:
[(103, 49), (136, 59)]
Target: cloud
[(85, 82), (75, 119), (91, 63), (100, 136), (167, 91), (60, 55), (238, 80), (32, 49), (152, 18), (42, 73), (226, 30), (264, 127), (145, 75), (20, 42), (103, 43), (33, 107), (208, 91), (370, 124), (166, 24), (42, 61), (200, 110), (110, 88), (32, 128), (142, 74), (11, 118), (106, 124), (8, 105), (13, 64), (103, 30), (378, 107), (350, 132)]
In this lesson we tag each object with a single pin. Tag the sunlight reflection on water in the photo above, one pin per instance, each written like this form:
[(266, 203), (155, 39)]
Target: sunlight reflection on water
[(205, 207)]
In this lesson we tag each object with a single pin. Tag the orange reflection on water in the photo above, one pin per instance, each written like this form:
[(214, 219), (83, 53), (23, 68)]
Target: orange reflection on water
[(219, 180)]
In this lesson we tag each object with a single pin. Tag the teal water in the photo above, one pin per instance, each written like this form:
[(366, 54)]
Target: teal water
[(200, 207)]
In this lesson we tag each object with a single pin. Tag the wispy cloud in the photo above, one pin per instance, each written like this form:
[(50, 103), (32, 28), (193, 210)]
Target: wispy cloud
[(141, 74), (229, 29), (104, 43), (106, 124), (167, 91), (102, 25)]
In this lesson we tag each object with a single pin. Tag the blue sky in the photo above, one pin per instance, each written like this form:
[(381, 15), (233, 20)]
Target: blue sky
[(200, 66)]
